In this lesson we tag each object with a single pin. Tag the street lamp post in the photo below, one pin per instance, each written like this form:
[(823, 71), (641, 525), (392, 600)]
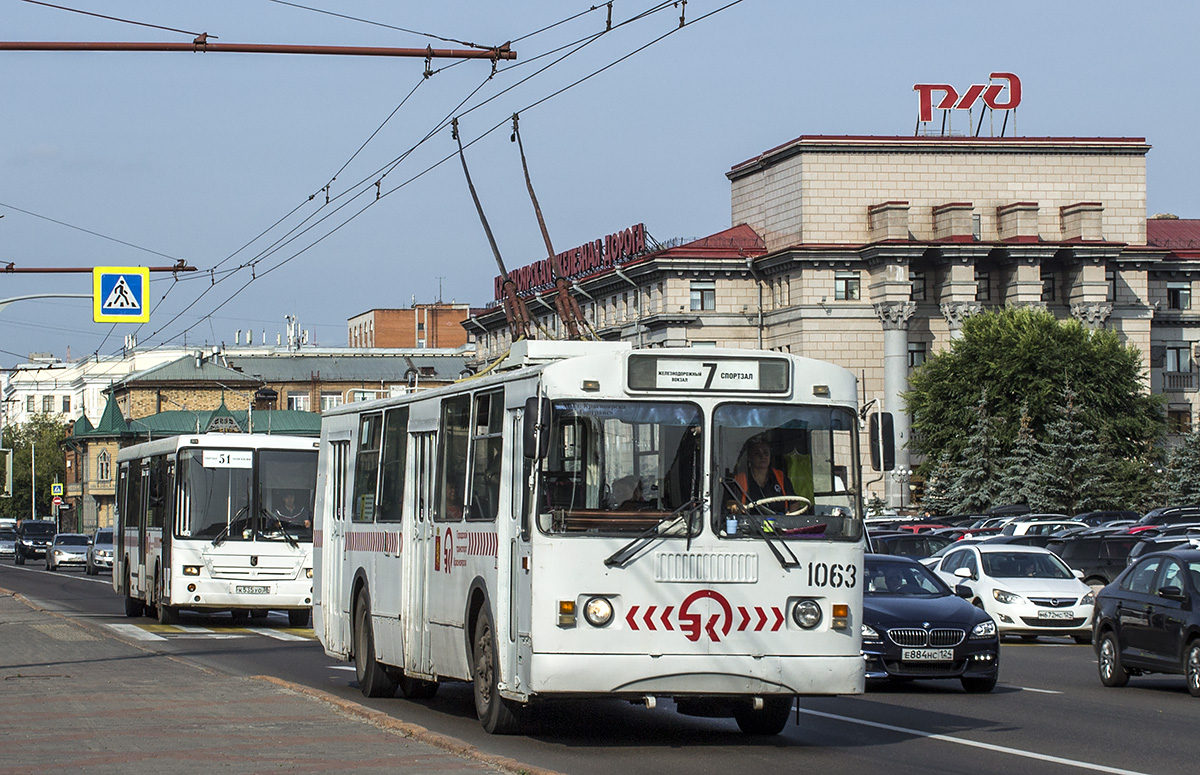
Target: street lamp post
[(902, 476)]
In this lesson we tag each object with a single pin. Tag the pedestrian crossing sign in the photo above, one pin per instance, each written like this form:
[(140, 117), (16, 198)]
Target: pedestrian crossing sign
[(120, 294)]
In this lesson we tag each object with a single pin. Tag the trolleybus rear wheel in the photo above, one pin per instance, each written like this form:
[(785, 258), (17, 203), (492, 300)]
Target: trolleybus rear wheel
[(498, 715), (373, 678), (770, 720), (133, 606)]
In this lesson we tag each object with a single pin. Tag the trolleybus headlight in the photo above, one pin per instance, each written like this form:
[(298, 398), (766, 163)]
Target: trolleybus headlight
[(191, 570), (807, 614), (598, 611)]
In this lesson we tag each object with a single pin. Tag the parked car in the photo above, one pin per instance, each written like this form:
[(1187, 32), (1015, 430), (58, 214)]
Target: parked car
[(1147, 620), (915, 627), (8, 542), (67, 549), (1097, 518), (908, 544), (1029, 539), (1020, 527), (33, 536), (1170, 515), (99, 552), (1150, 545), (1100, 558), (1028, 591)]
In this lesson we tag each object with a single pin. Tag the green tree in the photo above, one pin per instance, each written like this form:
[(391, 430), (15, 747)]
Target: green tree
[(1183, 470), (1026, 357), (46, 434), (974, 482), (1072, 474), (1014, 485), (936, 499)]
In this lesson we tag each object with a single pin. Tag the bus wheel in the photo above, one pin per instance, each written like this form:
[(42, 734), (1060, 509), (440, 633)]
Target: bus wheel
[(239, 615), (417, 688), (373, 678), (258, 613), (299, 618), (167, 614), (497, 714), (770, 720)]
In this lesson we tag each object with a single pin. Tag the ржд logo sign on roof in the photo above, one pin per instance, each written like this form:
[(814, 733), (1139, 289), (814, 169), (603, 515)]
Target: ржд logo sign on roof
[(990, 92)]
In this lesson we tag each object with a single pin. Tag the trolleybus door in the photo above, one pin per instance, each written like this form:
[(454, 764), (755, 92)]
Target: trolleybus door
[(519, 654), (335, 603), (419, 532), (143, 575)]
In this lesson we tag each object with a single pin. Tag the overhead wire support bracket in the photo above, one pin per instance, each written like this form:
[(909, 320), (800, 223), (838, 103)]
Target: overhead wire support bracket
[(203, 45)]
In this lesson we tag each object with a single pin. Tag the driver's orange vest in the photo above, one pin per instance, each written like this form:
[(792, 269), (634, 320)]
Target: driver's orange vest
[(743, 481)]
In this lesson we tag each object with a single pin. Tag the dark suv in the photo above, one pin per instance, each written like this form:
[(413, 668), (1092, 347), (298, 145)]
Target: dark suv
[(1100, 558), (33, 536)]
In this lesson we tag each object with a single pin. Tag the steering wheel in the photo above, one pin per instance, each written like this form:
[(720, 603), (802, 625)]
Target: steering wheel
[(806, 504)]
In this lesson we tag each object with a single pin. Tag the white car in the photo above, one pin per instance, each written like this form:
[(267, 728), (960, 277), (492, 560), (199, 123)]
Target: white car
[(1020, 527), (1027, 590)]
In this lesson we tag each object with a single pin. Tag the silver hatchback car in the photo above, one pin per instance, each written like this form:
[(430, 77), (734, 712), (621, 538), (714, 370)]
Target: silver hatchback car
[(100, 552), (67, 549)]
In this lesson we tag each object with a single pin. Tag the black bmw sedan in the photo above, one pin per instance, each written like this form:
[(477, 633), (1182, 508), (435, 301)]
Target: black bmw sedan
[(914, 626), (1148, 619)]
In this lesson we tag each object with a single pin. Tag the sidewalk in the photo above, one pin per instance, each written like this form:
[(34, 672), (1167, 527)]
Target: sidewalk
[(74, 698)]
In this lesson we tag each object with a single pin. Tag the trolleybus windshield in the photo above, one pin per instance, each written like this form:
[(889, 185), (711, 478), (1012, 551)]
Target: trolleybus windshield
[(222, 500), (785, 472), (617, 467)]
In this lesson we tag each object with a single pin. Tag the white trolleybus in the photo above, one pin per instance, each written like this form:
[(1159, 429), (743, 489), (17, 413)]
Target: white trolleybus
[(216, 522), (590, 523)]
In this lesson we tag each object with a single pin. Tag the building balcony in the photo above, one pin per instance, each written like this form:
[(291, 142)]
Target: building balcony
[(1179, 381)]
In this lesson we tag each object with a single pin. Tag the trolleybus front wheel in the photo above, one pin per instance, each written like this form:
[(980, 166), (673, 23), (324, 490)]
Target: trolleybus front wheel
[(769, 720), (373, 678), (498, 715), (299, 617)]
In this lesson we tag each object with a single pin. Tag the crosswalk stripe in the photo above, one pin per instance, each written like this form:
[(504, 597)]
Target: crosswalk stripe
[(135, 631)]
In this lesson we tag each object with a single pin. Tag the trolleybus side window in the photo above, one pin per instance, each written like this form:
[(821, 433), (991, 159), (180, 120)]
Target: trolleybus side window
[(620, 467), (485, 456), (159, 490), (366, 467), (452, 465), (133, 497), (392, 470), (341, 459)]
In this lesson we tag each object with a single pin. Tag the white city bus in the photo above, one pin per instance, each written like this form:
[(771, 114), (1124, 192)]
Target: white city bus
[(216, 522), (579, 526)]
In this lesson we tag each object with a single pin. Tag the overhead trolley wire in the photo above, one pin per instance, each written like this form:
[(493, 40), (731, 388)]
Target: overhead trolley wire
[(383, 171)]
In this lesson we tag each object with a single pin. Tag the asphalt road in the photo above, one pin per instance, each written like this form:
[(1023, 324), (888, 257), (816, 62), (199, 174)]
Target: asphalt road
[(1049, 713)]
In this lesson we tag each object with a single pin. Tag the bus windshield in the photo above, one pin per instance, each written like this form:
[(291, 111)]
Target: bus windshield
[(222, 501), (617, 467), (785, 472)]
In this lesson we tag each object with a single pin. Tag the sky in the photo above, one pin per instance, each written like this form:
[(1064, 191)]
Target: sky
[(225, 160)]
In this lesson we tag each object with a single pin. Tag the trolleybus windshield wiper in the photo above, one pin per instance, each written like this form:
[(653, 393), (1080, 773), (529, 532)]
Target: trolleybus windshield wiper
[(282, 528), (759, 523), (684, 513)]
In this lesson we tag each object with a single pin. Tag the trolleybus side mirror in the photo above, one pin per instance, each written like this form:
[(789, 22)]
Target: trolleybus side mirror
[(537, 427), (883, 442)]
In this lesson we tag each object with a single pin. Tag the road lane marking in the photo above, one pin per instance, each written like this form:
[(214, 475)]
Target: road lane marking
[(276, 634), (975, 744), (1039, 691), (136, 632)]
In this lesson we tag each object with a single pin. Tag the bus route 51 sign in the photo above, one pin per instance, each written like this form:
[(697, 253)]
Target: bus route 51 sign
[(120, 294)]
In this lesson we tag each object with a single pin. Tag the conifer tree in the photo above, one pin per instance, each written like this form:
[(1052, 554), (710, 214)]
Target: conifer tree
[(973, 485), (1073, 473), (1183, 470), (1015, 485), (936, 499)]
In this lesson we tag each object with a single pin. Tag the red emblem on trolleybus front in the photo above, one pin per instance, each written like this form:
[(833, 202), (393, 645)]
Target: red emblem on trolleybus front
[(696, 618)]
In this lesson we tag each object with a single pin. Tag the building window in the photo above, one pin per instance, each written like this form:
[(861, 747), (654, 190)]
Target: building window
[(846, 286), (298, 401), (1047, 285), (704, 295), (30, 404), (1179, 295), (1178, 358), (1111, 278), (917, 281), (976, 227), (47, 404), (103, 466), (703, 344), (66, 404), (1179, 421), (330, 399), (916, 354), (983, 286)]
